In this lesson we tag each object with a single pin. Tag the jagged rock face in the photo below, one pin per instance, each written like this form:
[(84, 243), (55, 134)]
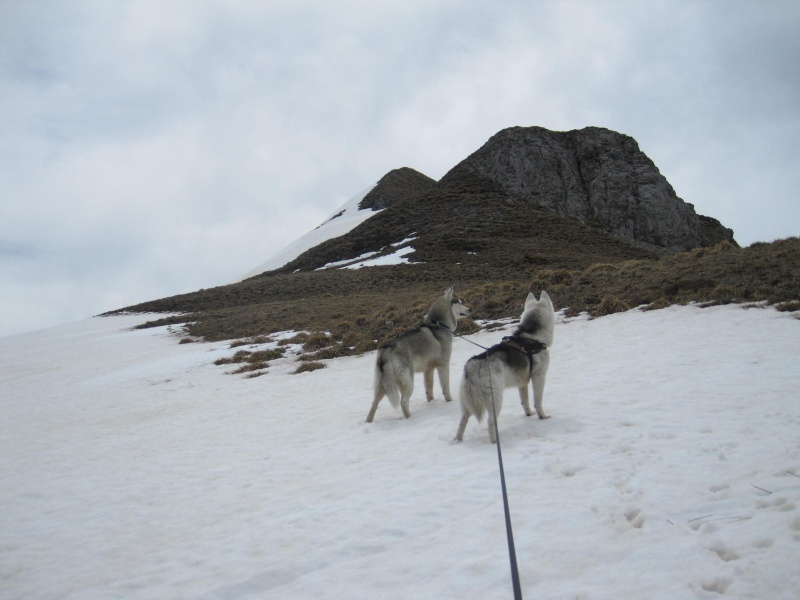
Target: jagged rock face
[(599, 177)]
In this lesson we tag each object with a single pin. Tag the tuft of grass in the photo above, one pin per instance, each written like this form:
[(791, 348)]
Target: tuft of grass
[(253, 341), (250, 368), (610, 305), (657, 304), (317, 341), (298, 338), (791, 306), (240, 356), (723, 294), (307, 367), (251, 362), (337, 351)]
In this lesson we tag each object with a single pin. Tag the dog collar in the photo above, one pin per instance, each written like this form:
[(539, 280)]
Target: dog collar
[(438, 325)]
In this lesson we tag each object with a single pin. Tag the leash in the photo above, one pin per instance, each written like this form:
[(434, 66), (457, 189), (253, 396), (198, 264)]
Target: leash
[(512, 552)]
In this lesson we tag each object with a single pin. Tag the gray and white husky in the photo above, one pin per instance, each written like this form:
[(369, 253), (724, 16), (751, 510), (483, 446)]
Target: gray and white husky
[(518, 359), (424, 348)]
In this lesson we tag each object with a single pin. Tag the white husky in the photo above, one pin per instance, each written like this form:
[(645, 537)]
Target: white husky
[(518, 359), (423, 348)]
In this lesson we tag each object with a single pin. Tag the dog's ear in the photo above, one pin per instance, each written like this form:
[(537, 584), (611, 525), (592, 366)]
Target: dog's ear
[(448, 293), (531, 299), (544, 297)]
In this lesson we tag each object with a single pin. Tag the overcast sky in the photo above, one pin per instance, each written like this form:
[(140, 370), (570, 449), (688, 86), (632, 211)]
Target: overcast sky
[(150, 148)]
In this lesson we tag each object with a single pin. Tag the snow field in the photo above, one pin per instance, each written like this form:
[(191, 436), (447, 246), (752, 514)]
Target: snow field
[(132, 467)]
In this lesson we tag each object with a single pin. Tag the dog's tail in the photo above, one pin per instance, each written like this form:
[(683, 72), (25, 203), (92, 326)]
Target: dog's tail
[(474, 390), (386, 379)]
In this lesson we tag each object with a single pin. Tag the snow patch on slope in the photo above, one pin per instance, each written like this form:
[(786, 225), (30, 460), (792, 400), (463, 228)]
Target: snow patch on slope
[(374, 259), (346, 218)]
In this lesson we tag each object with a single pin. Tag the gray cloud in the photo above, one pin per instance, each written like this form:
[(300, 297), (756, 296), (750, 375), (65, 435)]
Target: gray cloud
[(154, 148)]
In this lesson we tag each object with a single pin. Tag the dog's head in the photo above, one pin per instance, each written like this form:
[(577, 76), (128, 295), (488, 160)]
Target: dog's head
[(447, 309), (457, 308), (544, 300), (537, 319)]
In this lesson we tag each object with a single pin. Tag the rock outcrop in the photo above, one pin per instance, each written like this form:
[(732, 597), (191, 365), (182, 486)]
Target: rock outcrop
[(599, 177)]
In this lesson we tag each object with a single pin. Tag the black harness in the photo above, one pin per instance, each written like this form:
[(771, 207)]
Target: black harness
[(525, 345)]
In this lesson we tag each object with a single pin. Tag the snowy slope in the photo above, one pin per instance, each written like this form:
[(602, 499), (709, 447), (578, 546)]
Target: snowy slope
[(346, 218), (132, 467)]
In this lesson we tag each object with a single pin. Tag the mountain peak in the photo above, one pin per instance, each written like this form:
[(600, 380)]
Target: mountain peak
[(599, 177), (548, 187), (396, 185)]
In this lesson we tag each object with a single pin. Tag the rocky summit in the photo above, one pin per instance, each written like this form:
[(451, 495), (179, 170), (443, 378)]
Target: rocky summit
[(598, 177)]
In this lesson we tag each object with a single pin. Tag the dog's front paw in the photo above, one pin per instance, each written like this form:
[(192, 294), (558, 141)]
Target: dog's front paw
[(543, 416)]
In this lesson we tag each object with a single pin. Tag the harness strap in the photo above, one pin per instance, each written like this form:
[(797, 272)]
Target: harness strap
[(527, 346), (437, 325)]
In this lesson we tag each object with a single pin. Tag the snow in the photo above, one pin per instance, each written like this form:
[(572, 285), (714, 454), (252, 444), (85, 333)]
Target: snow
[(345, 219), (397, 257), (132, 467), (370, 259)]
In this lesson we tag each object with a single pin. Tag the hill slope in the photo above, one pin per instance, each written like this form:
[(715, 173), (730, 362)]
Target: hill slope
[(479, 230)]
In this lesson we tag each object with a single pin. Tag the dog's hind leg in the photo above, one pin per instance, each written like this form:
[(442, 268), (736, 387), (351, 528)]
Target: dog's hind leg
[(404, 402), (538, 378), (405, 385), (496, 396), (538, 396), (524, 398), (462, 426), (492, 434), (444, 380), (428, 378), (379, 394)]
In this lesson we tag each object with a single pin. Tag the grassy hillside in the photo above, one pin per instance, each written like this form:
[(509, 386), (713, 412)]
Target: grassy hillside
[(492, 249), (360, 309)]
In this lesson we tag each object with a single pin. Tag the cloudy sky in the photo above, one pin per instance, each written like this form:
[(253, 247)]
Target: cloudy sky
[(150, 148)]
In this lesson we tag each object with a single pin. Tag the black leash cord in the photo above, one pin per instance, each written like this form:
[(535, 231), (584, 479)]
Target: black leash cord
[(512, 552)]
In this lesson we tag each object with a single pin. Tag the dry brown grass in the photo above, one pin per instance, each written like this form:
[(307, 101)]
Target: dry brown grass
[(610, 305), (788, 306), (307, 367), (251, 363), (374, 305)]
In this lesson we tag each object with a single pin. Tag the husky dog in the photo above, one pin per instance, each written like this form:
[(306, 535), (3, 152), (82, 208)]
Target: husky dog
[(518, 359), (424, 348)]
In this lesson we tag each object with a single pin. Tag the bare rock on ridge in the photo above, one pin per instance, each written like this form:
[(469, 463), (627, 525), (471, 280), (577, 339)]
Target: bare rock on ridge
[(599, 177), (396, 185)]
